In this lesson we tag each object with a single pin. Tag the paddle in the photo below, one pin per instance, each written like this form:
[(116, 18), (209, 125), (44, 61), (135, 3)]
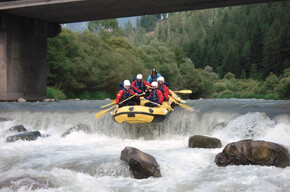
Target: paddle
[(112, 103), (179, 99), (103, 112), (169, 107), (181, 105), (183, 91)]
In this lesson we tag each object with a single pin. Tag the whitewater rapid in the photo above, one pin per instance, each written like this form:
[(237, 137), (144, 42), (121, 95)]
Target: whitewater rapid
[(91, 162)]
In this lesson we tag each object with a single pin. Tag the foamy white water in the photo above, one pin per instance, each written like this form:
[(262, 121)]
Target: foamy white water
[(91, 162)]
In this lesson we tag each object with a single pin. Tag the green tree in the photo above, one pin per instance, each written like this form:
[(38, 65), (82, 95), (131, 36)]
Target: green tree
[(148, 22)]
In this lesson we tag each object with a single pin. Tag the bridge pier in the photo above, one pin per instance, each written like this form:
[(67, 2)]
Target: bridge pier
[(23, 46)]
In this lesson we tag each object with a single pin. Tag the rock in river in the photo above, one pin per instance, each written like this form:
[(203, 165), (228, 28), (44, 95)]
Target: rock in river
[(253, 152), (27, 136), (79, 127), (17, 128), (199, 141), (21, 100), (142, 165)]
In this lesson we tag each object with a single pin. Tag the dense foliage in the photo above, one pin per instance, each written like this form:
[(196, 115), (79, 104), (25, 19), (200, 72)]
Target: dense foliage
[(239, 52), (248, 41)]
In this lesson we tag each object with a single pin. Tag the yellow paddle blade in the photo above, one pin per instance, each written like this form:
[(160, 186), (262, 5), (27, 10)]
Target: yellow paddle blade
[(169, 108), (103, 112), (181, 100), (185, 106), (177, 99), (182, 105), (183, 91), (113, 103)]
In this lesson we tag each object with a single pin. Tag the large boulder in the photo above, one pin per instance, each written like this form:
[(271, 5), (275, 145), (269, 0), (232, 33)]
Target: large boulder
[(27, 136), (252, 152), (17, 128), (142, 165), (199, 141), (79, 127)]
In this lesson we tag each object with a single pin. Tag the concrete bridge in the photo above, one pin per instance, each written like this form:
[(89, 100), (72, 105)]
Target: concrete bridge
[(25, 26)]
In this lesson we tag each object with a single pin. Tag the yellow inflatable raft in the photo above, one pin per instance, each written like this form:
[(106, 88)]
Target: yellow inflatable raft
[(144, 114)]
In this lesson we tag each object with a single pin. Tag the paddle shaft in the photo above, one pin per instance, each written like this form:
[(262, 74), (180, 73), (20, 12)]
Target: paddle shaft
[(182, 105), (183, 91), (169, 107), (103, 112), (112, 103), (130, 98)]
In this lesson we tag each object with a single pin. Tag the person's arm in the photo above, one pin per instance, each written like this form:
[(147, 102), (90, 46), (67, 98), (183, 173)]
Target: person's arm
[(160, 96), (119, 96), (166, 92), (149, 79), (135, 88), (133, 93), (146, 83), (149, 97)]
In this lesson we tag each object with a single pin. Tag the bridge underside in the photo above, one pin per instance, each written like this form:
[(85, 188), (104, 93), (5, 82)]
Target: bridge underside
[(25, 26), (66, 11)]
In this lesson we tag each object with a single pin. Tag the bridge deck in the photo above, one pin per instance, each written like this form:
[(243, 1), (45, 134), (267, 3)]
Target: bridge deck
[(66, 11)]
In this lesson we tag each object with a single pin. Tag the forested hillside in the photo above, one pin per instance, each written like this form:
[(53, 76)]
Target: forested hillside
[(241, 51)]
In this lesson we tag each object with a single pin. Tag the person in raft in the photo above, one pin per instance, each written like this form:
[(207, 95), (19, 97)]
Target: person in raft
[(155, 96), (139, 85), (153, 77), (163, 88), (125, 93)]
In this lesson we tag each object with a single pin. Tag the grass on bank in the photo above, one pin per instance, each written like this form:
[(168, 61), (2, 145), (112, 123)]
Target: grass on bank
[(55, 93)]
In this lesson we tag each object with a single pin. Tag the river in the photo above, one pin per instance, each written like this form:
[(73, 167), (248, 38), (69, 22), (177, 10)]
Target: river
[(91, 162)]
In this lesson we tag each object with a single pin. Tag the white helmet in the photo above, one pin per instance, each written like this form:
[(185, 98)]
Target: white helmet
[(160, 79), (127, 83), (139, 76), (154, 84)]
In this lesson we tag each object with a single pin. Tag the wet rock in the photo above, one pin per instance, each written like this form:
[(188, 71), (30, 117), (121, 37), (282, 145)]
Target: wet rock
[(27, 136), (142, 165), (46, 100), (79, 127), (21, 100), (26, 183), (17, 128), (251, 152), (199, 141), (77, 99)]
